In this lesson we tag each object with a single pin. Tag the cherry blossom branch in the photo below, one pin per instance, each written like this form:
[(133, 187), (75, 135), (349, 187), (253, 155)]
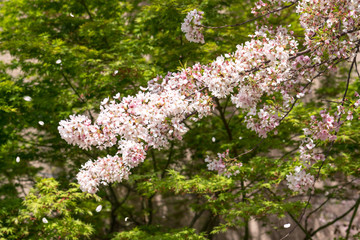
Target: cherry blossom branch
[(331, 145), (261, 67), (308, 50), (287, 113)]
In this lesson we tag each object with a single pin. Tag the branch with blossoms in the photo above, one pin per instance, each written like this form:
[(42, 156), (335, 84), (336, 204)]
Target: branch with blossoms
[(263, 78), (326, 129), (223, 164)]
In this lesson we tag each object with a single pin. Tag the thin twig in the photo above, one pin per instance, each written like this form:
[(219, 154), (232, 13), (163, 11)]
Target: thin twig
[(77, 93), (72, 87), (251, 20), (357, 71), (348, 79)]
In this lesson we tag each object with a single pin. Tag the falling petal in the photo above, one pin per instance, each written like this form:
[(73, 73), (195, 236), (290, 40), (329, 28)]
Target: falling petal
[(27, 98), (18, 159), (98, 209), (126, 219), (44, 220), (71, 15), (116, 72), (58, 61), (213, 139), (287, 225), (41, 123)]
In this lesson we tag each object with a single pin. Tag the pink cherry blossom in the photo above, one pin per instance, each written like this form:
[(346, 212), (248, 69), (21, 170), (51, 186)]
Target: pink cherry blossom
[(300, 181), (222, 163)]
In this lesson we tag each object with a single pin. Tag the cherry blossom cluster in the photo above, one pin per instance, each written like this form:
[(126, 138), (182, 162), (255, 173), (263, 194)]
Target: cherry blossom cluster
[(104, 170), (223, 164), (262, 67), (281, 80), (331, 33), (149, 119), (300, 181), (331, 27), (192, 26), (79, 130), (322, 128), (263, 78)]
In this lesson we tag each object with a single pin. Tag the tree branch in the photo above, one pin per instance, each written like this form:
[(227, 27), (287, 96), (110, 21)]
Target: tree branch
[(315, 210), (223, 119), (168, 160), (336, 219), (195, 218), (308, 236), (352, 219), (86, 9)]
